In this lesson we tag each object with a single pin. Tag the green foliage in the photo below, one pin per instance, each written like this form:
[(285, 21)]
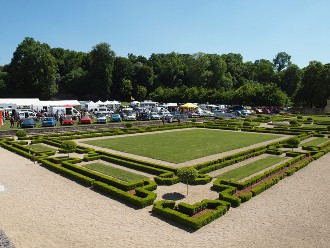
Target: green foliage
[(293, 123), (183, 212), (293, 142), (68, 146), (21, 133), (128, 125), (187, 175)]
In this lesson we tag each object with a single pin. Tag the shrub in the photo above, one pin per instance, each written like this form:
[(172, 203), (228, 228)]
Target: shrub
[(187, 175), (69, 146), (128, 125), (293, 142), (294, 123), (21, 133)]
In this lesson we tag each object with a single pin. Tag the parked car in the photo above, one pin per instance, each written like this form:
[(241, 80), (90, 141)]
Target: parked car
[(48, 122), (192, 115), (115, 118), (130, 116), (208, 113), (167, 115), (101, 118), (28, 122), (154, 116), (85, 120), (143, 116), (67, 120)]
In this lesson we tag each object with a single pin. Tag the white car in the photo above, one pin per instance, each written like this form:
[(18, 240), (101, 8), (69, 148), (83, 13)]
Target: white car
[(208, 113), (130, 116), (101, 118), (154, 116)]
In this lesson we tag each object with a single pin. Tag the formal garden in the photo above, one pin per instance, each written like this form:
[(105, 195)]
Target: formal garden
[(242, 159)]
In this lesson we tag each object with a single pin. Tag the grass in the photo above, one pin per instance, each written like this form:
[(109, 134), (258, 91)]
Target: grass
[(315, 142), (251, 168), (40, 148), (318, 117), (120, 174), (183, 145)]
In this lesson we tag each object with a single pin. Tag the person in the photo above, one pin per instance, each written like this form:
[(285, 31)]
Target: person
[(163, 119), (61, 119), (18, 121), (12, 121)]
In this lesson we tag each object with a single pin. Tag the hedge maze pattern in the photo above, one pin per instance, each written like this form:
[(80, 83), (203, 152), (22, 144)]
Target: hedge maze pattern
[(140, 193)]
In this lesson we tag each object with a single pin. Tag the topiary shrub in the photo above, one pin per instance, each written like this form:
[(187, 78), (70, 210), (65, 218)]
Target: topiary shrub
[(128, 125), (187, 175), (293, 123), (68, 146), (299, 117), (21, 133)]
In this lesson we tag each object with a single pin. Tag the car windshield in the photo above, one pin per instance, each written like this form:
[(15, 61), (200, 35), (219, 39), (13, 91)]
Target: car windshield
[(48, 119), (67, 118), (115, 115)]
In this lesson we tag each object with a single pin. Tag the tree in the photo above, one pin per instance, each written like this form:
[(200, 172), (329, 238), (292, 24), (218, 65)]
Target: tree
[(70, 72), (314, 88), (293, 142), (100, 66), (141, 92), (32, 71), (187, 175), (69, 146), (281, 61), (289, 79)]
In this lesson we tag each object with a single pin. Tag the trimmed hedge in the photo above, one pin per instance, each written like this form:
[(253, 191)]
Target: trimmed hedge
[(141, 199), (183, 212)]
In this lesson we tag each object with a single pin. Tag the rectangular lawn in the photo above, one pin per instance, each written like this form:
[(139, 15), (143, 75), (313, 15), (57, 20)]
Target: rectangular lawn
[(315, 142), (183, 145), (251, 168), (114, 172)]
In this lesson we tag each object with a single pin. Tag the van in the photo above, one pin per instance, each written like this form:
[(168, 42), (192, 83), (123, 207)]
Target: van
[(26, 114)]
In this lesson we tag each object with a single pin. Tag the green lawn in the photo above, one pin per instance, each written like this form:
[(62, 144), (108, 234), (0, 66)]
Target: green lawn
[(251, 168), (318, 117), (114, 172), (40, 148), (315, 142), (183, 145)]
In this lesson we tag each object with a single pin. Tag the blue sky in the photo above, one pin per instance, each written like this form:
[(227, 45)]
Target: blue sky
[(257, 29)]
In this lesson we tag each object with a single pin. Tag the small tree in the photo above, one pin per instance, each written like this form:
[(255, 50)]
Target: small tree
[(69, 146), (293, 142), (187, 175)]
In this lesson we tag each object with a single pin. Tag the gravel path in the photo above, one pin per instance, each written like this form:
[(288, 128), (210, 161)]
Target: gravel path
[(42, 209)]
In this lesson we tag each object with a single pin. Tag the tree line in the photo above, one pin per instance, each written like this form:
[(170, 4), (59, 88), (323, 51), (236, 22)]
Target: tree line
[(37, 70)]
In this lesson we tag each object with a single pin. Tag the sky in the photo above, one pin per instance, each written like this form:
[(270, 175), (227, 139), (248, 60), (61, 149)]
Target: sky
[(256, 29)]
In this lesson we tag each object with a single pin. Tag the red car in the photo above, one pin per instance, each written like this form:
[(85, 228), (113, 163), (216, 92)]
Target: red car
[(85, 120), (67, 120)]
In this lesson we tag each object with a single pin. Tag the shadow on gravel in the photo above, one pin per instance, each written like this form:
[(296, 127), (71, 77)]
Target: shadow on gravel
[(173, 196)]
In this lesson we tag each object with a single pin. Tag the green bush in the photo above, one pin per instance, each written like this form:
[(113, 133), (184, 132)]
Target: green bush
[(21, 133), (245, 196), (168, 210)]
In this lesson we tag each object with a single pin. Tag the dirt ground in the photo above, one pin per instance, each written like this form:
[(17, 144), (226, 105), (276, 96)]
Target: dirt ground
[(39, 208)]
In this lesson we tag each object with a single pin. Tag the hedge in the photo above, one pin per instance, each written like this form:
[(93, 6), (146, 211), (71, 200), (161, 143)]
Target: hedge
[(141, 199), (168, 210)]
